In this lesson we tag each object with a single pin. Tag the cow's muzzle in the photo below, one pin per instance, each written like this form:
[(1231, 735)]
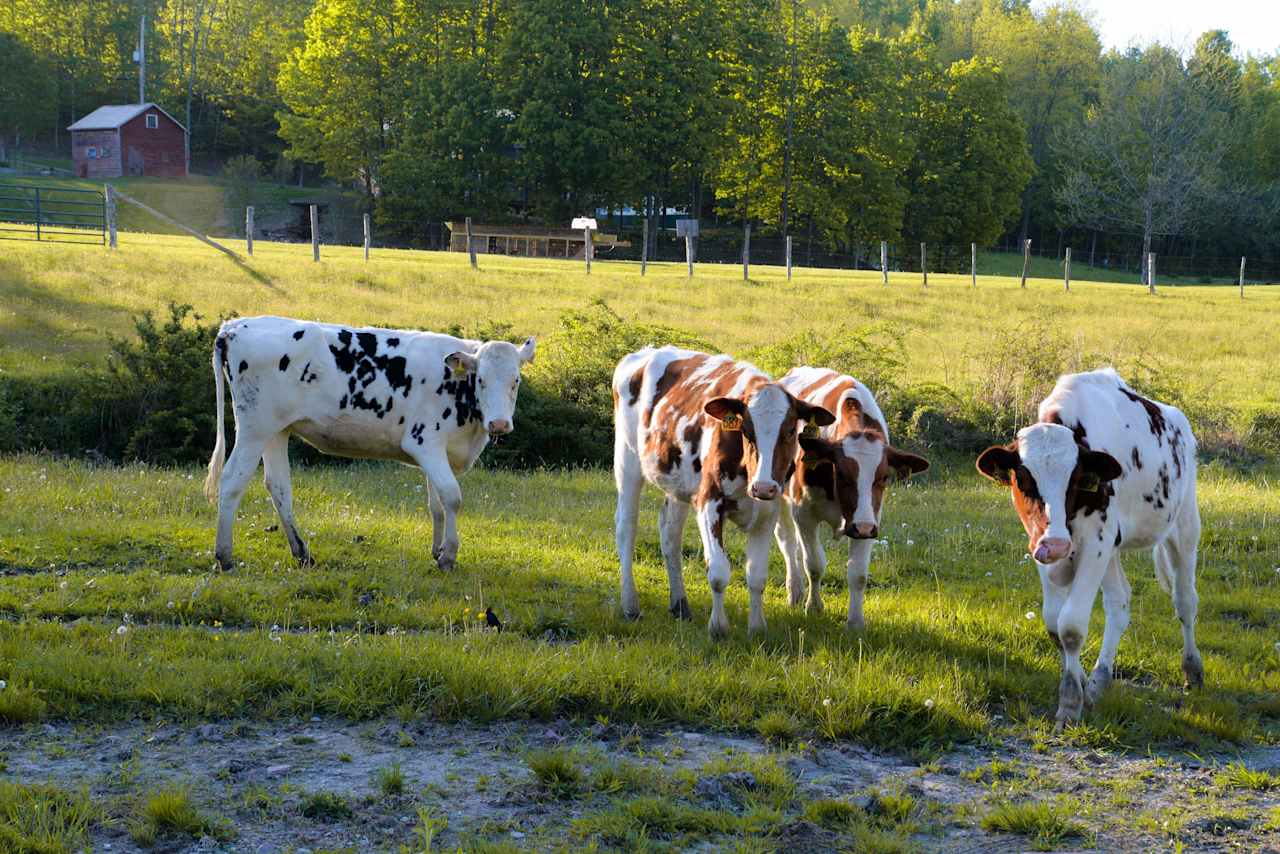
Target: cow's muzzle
[(764, 490), (499, 427), (1052, 549), (861, 530)]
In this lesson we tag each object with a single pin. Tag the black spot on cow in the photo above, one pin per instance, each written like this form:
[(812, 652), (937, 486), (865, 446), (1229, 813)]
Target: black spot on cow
[(462, 391), (447, 412), (284, 363), (344, 357), (1119, 539), (416, 432), (401, 419), (1175, 448), (368, 343), (1163, 476), (1081, 437), (697, 464), (297, 336), (366, 365), (359, 401), (1137, 459), (393, 342), (351, 385), (244, 366), (342, 404), (1155, 416), (307, 375), (437, 426)]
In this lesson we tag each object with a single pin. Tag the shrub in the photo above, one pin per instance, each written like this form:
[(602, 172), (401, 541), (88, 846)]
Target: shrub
[(20, 704), (873, 354), (172, 811), (242, 174), (556, 772), (326, 806), (1048, 824)]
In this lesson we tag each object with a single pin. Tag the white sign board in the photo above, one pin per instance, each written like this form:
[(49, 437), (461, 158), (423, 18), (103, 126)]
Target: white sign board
[(686, 228), (581, 222)]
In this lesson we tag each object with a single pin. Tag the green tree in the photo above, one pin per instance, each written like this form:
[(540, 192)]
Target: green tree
[(971, 163), (26, 93)]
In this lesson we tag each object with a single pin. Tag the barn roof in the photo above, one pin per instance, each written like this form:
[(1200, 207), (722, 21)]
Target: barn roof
[(112, 116)]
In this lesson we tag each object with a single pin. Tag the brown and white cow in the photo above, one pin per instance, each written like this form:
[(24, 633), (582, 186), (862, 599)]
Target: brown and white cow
[(1104, 469), (841, 480), (712, 433), (418, 398)]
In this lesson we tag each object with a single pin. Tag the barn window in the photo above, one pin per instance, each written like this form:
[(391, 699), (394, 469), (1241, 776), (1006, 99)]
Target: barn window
[(153, 121), (92, 153)]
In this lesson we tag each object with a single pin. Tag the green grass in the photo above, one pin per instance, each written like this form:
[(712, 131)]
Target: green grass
[(1047, 824), (948, 653), (556, 772), (1237, 775), (390, 780), (172, 811), (43, 819), (326, 806)]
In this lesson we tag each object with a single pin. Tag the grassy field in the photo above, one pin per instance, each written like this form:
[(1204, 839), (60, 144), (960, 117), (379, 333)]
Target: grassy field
[(111, 610)]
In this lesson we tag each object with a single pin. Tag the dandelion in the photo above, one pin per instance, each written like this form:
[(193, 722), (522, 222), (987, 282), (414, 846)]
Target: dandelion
[(988, 575), (826, 702), (171, 605), (3, 684), (122, 630), (928, 704), (911, 542), (62, 586), (1026, 556), (1031, 615)]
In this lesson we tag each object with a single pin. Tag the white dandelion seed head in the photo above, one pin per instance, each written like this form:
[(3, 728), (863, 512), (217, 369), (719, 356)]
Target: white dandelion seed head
[(928, 704), (3, 684), (826, 702), (1031, 615), (122, 630)]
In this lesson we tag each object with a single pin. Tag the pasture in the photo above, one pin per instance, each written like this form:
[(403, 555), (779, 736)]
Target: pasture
[(116, 627)]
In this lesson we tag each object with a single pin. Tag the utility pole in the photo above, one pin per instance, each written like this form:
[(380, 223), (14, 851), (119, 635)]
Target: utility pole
[(142, 60)]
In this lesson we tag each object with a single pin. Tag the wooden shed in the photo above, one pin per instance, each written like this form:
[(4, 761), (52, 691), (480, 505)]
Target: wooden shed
[(129, 139), (530, 241)]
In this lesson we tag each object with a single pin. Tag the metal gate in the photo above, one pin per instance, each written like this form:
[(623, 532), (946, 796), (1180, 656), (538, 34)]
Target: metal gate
[(55, 214)]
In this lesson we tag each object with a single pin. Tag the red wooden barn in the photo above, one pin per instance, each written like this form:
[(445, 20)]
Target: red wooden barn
[(129, 139)]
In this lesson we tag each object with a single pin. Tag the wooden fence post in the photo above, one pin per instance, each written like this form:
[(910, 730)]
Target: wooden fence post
[(884, 260), (644, 247), (1241, 277), (248, 230), (746, 252), (788, 257), (110, 218), (924, 267), (471, 246), (587, 248), (1151, 272), (1066, 271), (688, 252), (315, 233), (973, 265), (1026, 259), (368, 236)]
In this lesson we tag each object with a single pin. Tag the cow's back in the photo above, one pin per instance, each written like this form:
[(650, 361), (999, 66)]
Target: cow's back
[(1152, 441), (830, 389)]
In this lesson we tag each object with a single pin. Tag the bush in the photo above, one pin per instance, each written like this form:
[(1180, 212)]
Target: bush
[(873, 354)]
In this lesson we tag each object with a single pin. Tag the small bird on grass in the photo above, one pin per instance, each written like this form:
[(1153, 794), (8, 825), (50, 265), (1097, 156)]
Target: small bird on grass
[(491, 619)]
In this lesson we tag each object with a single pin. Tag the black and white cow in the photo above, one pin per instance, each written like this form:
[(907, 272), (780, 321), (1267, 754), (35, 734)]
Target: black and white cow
[(419, 398), (841, 480), (1105, 469)]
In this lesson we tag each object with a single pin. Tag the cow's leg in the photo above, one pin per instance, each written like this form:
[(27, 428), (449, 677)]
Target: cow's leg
[(1180, 551), (275, 468), (236, 475), (815, 561), (759, 540), (671, 533), (711, 519), (629, 479), (1115, 602), (434, 462), (437, 521), (788, 538), (856, 572), (1072, 629)]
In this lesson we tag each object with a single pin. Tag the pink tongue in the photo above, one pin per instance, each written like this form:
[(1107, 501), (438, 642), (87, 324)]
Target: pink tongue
[(1042, 554)]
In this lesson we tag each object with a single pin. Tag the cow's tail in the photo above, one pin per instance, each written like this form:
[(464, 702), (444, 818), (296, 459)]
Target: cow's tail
[(220, 441)]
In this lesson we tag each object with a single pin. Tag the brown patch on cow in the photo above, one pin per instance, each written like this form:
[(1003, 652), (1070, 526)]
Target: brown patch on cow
[(633, 386), (1155, 416), (825, 377), (1071, 641), (675, 373), (1054, 416)]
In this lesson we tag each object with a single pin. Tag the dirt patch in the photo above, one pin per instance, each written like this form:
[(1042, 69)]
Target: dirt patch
[(464, 783)]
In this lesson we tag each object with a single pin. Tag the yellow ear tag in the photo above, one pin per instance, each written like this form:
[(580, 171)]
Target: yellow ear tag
[(810, 463), (1089, 483), (810, 430), (732, 421)]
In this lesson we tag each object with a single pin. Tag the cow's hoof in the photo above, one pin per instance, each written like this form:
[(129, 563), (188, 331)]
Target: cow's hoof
[(1193, 670), (224, 564), (756, 629), (447, 564), (795, 595), (1070, 701), (855, 625), (718, 629), (813, 605), (680, 609), (436, 551), (1099, 681), (305, 559), (630, 616)]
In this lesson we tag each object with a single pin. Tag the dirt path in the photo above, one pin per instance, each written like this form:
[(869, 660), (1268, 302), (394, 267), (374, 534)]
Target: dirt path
[(257, 782)]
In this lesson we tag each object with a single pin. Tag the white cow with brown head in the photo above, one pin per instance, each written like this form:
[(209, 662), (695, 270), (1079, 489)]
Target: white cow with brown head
[(1104, 469)]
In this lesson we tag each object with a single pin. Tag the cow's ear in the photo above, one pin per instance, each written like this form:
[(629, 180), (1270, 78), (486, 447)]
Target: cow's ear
[(460, 362), (1098, 464), (818, 449), (527, 349), (726, 409), (904, 465), (999, 462), (813, 414)]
